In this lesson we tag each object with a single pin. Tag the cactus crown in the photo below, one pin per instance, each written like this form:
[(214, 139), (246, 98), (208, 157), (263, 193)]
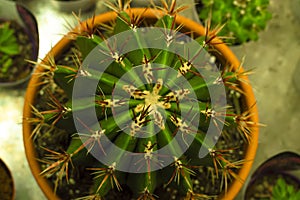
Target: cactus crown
[(144, 100), (244, 18)]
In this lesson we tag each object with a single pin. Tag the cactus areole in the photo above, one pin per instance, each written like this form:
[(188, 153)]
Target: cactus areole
[(148, 105)]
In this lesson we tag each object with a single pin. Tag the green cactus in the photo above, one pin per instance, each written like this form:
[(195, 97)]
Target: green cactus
[(138, 88), (244, 18)]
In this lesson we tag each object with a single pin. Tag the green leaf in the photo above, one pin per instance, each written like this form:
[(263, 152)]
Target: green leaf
[(282, 191), (8, 41), (5, 64)]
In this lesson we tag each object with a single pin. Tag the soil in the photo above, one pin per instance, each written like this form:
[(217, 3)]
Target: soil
[(20, 68), (6, 183)]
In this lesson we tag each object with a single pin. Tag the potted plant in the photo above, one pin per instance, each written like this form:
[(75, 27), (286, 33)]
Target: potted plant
[(74, 5), (7, 189), (150, 105), (244, 18), (18, 42), (276, 178)]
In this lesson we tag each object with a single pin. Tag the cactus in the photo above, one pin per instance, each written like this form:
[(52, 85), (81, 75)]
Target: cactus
[(244, 18), (145, 100)]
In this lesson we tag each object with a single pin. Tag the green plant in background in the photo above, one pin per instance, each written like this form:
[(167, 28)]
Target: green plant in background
[(244, 18), (8, 47), (283, 190), (153, 105)]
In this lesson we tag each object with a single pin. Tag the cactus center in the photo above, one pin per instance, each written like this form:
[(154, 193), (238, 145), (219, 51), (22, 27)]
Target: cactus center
[(152, 99), (150, 107)]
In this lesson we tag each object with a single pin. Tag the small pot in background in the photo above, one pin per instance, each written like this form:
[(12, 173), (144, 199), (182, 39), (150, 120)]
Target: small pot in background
[(264, 181), (7, 188), (14, 12), (74, 5)]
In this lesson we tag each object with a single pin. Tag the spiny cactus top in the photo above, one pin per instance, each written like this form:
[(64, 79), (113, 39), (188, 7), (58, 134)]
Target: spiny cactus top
[(141, 106)]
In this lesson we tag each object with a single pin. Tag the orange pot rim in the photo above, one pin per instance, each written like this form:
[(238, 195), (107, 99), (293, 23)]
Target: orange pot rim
[(148, 13)]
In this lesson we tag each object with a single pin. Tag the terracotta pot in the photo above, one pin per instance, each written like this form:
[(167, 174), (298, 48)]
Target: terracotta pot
[(7, 175), (150, 14)]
